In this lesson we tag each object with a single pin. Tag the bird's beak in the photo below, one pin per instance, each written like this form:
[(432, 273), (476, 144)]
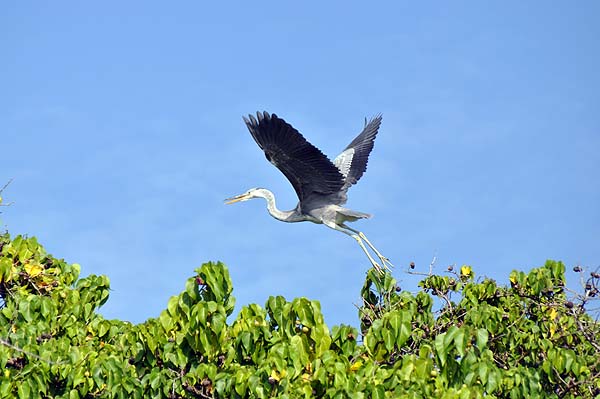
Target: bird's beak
[(237, 198)]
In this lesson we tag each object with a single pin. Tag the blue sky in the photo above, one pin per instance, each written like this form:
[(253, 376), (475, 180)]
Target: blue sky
[(121, 125)]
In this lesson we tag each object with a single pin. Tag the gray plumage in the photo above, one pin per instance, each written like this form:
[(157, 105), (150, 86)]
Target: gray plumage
[(321, 185)]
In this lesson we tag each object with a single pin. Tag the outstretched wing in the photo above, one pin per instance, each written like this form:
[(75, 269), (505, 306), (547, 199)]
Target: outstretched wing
[(352, 162), (307, 168)]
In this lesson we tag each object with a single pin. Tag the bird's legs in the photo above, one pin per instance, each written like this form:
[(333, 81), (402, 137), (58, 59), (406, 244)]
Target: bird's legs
[(357, 236), (373, 262), (384, 260)]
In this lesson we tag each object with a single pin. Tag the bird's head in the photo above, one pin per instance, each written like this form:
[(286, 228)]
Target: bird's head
[(248, 195)]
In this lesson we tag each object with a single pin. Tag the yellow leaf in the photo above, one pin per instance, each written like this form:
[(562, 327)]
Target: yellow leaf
[(33, 269), (357, 364), (466, 271), (13, 273), (553, 313), (275, 375), (552, 330)]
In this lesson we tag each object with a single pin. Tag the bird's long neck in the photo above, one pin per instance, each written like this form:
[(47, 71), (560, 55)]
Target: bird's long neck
[(284, 216)]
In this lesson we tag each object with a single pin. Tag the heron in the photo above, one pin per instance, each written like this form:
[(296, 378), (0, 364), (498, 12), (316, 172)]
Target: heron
[(321, 185)]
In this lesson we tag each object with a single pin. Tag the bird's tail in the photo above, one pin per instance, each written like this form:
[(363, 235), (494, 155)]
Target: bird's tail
[(351, 216)]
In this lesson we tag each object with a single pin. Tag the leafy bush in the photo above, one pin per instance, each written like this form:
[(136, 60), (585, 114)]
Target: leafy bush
[(525, 340)]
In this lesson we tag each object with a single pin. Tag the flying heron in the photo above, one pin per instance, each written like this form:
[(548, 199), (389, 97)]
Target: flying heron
[(320, 184)]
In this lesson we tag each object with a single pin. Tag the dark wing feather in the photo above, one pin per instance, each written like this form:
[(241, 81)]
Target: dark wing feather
[(307, 168), (357, 152)]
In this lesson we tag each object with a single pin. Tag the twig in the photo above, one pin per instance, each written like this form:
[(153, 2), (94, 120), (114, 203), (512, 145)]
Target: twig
[(6, 185), (23, 351), (431, 264), (1, 190)]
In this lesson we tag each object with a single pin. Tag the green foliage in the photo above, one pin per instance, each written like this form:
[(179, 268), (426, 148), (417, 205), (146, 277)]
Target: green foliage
[(524, 340)]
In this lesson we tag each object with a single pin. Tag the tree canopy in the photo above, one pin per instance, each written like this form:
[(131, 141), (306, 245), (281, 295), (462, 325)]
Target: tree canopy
[(458, 337)]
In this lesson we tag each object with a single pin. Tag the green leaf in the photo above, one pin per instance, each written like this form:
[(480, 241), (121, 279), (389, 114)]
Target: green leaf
[(172, 306), (298, 354), (6, 388), (46, 307), (493, 381), (5, 269), (450, 334), (388, 339), (24, 391), (559, 362), (441, 349), (246, 339), (483, 371), (155, 379), (407, 369), (304, 311), (165, 320), (569, 359), (405, 328), (25, 310), (459, 342), (378, 392), (394, 321), (482, 338)]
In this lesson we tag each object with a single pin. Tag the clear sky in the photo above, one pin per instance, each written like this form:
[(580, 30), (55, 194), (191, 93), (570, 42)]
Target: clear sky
[(121, 124)]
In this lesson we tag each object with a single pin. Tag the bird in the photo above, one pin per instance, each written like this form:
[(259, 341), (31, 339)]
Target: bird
[(321, 184)]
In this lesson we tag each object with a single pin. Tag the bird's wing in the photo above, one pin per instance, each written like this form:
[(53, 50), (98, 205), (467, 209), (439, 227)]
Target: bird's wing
[(307, 168), (352, 162)]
